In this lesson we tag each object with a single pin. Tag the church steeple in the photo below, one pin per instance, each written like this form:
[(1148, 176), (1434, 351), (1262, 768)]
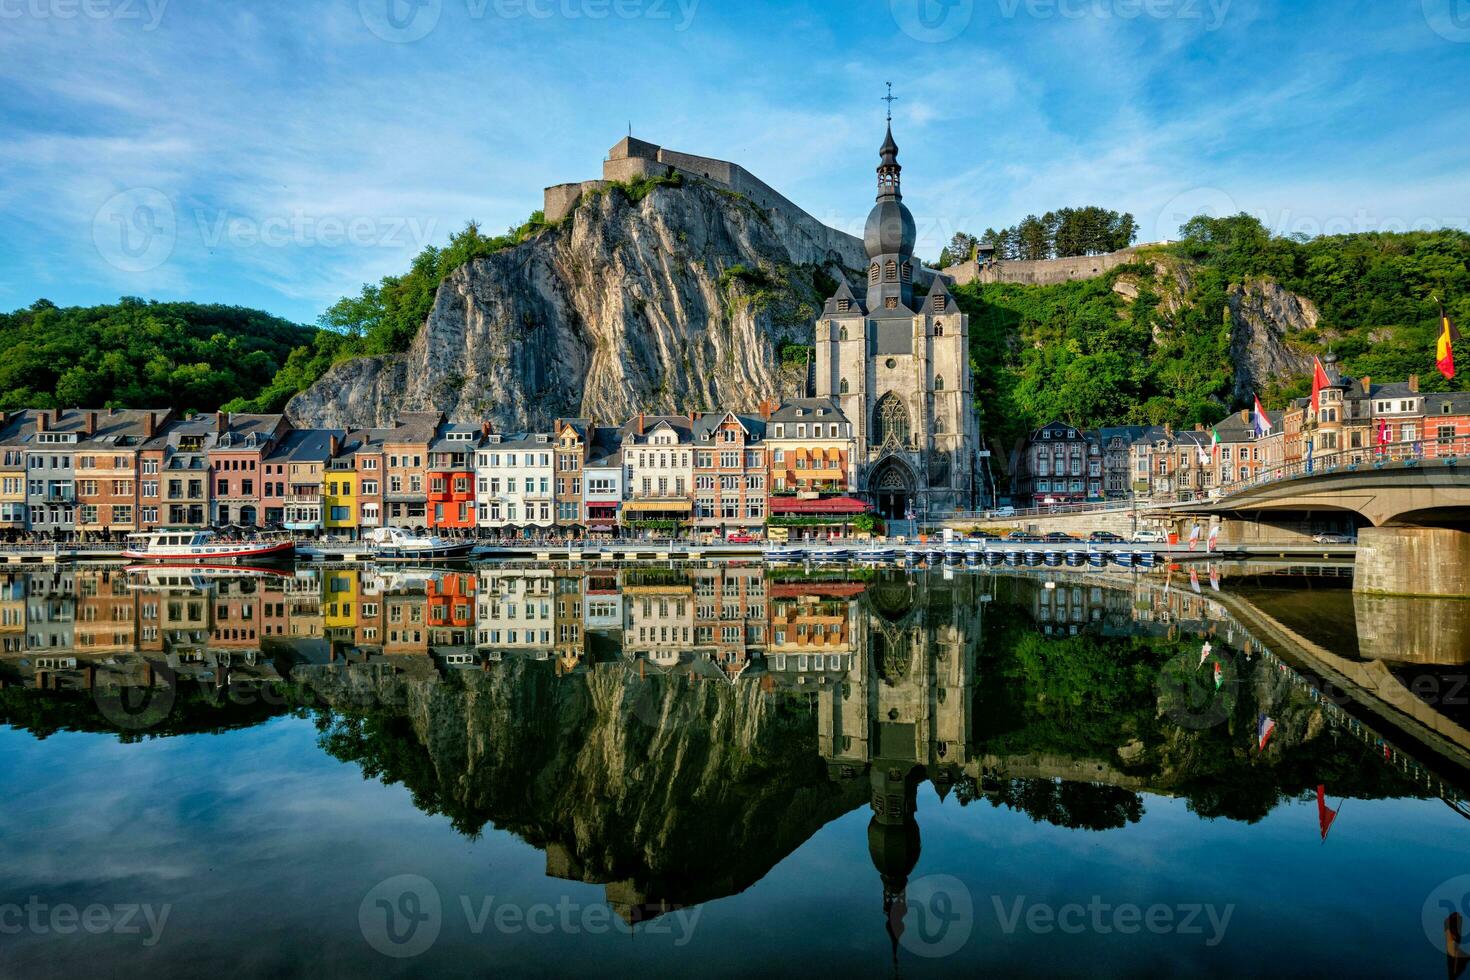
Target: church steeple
[(888, 166)]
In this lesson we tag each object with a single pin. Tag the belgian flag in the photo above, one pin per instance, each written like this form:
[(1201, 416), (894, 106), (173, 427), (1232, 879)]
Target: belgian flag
[(1444, 351)]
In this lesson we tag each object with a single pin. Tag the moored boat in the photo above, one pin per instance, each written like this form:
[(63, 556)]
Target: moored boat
[(1076, 559), (203, 547), (1123, 559), (994, 558), (399, 544)]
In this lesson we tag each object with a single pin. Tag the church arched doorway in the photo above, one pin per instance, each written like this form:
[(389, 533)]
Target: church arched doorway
[(893, 490)]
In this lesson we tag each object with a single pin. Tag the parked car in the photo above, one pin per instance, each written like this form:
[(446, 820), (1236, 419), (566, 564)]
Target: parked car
[(1023, 537), (740, 539), (1105, 537), (1332, 537), (1150, 537), (1057, 537), (1003, 512)]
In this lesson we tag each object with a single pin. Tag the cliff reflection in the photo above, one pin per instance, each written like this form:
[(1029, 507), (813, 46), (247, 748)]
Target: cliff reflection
[(674, 733)]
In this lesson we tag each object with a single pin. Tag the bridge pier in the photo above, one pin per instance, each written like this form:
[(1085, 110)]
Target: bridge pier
[(1412, 629), (1415, 561)]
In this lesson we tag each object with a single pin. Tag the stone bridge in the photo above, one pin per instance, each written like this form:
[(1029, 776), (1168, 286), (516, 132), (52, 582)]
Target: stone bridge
[(1411, 517)]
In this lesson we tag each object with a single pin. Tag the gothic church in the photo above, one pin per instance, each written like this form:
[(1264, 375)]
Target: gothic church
[(898, 364)]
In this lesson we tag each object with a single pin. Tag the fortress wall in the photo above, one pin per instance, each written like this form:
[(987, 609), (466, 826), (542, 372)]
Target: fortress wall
[(634, 158), (1045, 272)]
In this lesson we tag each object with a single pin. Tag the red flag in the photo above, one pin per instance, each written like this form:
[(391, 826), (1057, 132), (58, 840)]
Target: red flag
[(1325, 814), (1384, 436), (1319, 381)]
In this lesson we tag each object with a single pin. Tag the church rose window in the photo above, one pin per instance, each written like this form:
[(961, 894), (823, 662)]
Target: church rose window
[(891, 423)]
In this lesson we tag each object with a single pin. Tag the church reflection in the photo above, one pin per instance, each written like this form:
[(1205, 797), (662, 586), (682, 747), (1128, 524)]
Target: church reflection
[(708, 720)]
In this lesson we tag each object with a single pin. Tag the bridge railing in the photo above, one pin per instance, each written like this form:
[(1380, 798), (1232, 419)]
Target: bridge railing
[(1448, 451)]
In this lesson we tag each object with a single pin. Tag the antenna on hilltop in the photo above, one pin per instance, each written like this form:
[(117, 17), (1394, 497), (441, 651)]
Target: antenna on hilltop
[(890, 98)]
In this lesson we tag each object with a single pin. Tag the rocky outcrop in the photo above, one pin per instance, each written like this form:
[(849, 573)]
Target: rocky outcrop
[(673, 302), (1262, 315)]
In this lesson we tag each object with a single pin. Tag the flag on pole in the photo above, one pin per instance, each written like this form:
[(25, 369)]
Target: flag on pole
[(1194, 537), (1260, 421), (1204, 654), (1219, 675), (1310, 450), (1194, 579), (1319, 381), (1444, 351), (1265, 728), (1215, 577), (1214, 540), (1325, 814), (1204, 457), (1384, 433)]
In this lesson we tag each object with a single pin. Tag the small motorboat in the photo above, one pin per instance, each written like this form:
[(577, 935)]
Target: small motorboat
[(878, 555), (1052, 559), (1076, 559), (1013, 558), (399, 544), (913, 556), (1146, 559), (936, 556), (974, 559), (1123, 559), (785, 555), (1097, 559), (203, 547), (994, 558)]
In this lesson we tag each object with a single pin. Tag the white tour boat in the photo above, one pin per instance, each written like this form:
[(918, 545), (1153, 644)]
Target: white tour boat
[(200, 547), (398, 544)]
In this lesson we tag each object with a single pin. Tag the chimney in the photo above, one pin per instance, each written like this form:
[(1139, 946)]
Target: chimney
[(1414, 383), (693, 417), (485, 429), (1367, 385), (333, 445), (221, 422), (149, 422), (1199, 427), (1168, 431), (89, 425), (640, 423), (43, 421)]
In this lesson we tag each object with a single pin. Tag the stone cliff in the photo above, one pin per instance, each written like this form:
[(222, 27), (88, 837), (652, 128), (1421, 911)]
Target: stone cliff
[(671, 298)]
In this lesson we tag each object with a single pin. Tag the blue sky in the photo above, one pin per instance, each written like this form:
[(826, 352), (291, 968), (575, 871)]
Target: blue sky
[(280, 154)]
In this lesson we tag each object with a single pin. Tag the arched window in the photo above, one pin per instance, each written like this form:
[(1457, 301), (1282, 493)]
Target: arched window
[(890, 271), (890, 422), (873, 273), (842, 387), (842, 334), (939, 383), (939, 424), (939, 330)]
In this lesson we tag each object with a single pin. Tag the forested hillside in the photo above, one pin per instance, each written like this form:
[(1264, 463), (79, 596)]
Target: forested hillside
[(135, 353), (1151, 342)]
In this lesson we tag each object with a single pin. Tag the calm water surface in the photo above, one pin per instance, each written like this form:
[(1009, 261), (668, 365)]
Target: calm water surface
[(722, 770)]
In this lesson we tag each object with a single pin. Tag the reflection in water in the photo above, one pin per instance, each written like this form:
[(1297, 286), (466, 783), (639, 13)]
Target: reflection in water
[(672, 734)]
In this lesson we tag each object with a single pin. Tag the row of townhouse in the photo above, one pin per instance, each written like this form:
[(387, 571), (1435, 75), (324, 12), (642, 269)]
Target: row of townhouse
[(1355, 420), (82, 473)]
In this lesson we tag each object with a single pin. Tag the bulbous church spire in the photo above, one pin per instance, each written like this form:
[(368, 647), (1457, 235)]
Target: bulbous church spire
[(890, 232)]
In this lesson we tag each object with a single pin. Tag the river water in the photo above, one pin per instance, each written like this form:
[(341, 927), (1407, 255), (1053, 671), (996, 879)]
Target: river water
[(729, 769)]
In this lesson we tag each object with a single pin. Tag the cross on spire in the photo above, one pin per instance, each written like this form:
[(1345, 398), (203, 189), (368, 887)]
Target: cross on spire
[(890, 98)]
